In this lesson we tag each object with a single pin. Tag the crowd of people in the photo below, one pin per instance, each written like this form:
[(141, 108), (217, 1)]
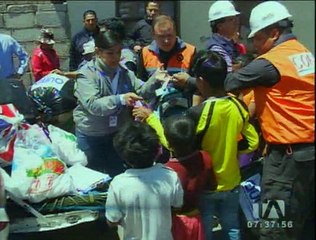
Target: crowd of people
[(171, 124)]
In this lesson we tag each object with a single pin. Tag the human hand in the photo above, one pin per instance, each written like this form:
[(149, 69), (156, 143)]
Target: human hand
[(71, 75), (180, 79), (137, 48), (162, 75), (141, 113), (57, 71), (130, 98), (237, 66)]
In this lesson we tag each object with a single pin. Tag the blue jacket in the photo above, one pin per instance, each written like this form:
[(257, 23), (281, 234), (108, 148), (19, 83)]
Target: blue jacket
[(225, 47), (76, 48)]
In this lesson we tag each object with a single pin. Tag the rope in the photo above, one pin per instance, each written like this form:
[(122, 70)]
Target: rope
[(92, 199)]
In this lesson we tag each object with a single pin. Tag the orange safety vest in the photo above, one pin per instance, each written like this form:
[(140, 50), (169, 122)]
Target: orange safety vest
[(179, 62), (286, 111)]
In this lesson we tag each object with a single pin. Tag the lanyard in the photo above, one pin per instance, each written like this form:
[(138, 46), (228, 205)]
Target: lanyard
[(114, 81)]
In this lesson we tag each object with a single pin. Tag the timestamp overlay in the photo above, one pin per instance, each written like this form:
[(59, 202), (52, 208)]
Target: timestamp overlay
[(270, 224), (269, 215)]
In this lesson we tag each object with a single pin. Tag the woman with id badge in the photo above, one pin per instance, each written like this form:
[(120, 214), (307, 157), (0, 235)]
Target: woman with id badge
[(106, 93)]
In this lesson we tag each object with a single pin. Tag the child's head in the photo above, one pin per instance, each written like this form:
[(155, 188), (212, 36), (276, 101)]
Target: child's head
[(211, 68), (180, 133), (137, 144)]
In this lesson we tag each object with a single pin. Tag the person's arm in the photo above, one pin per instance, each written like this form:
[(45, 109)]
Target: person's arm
[(145, 114), (154, 121), (87, 92), (22, 56), (197, 99), (259, 72), (71, 75), (250, 134), (252, 109), (113, 213), (146, 89), (250, 141), (141, 70)]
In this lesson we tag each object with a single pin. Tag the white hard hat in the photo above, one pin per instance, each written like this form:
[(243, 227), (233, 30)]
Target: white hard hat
[(221, 9), (266, 14)]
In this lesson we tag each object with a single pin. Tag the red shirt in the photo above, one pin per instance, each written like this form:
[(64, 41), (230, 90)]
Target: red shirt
[(241, 48), (43, 62), (196, 174)]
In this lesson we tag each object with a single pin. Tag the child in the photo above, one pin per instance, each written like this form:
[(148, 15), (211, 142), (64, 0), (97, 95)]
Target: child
[(194, 168), (140, 199), (221, 119)]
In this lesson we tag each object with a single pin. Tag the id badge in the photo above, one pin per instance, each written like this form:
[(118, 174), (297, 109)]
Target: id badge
[(113, 121)]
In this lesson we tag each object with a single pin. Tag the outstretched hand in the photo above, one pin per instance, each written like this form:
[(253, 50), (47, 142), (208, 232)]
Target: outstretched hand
[(141, 113), (130, 98), (180, 79), (162, 75)]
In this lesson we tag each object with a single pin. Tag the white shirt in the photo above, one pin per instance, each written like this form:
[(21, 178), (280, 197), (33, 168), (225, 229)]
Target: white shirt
[(141, 199)]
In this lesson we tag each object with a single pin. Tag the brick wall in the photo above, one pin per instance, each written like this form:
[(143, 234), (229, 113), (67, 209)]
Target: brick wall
[(23, 20)]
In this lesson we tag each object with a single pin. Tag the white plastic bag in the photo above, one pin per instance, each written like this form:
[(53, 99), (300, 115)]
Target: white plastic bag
[(37, 172), (65, 146)]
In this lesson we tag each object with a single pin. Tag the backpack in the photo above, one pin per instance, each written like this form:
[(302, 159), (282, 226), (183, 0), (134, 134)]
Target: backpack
[(173, 101)]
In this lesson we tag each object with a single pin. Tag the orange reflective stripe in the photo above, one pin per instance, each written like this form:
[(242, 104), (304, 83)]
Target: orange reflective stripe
[(180, 61)]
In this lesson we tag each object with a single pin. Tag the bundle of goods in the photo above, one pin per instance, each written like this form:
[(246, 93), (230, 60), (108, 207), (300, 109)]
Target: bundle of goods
[(44, 173), (53, 95)]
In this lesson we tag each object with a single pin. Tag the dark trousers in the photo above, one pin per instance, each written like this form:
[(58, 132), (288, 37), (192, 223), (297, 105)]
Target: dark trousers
[(288, 176), (101, 154)]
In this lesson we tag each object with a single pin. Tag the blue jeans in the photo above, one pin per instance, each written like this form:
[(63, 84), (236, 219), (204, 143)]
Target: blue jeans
[(225, 206), (101, 154)]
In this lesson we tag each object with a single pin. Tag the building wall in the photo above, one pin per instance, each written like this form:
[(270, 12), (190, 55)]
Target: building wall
[(304, 21), (23, 20), (103, 9)]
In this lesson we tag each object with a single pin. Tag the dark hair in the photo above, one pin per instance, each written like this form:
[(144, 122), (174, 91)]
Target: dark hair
[(211, 67), (138, 144), (147, 3), (180, 134), (213, 24), (161, 20), (115, 24), (89, 12), (106, 40), (284, 26)]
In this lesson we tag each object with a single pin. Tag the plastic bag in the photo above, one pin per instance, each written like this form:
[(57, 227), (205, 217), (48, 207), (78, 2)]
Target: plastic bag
[(65, 146), (37, 172), (10, 119), (249, 196), (53, 95)]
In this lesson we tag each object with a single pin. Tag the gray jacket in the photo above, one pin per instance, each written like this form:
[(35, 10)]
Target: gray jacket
[(97, 102)]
